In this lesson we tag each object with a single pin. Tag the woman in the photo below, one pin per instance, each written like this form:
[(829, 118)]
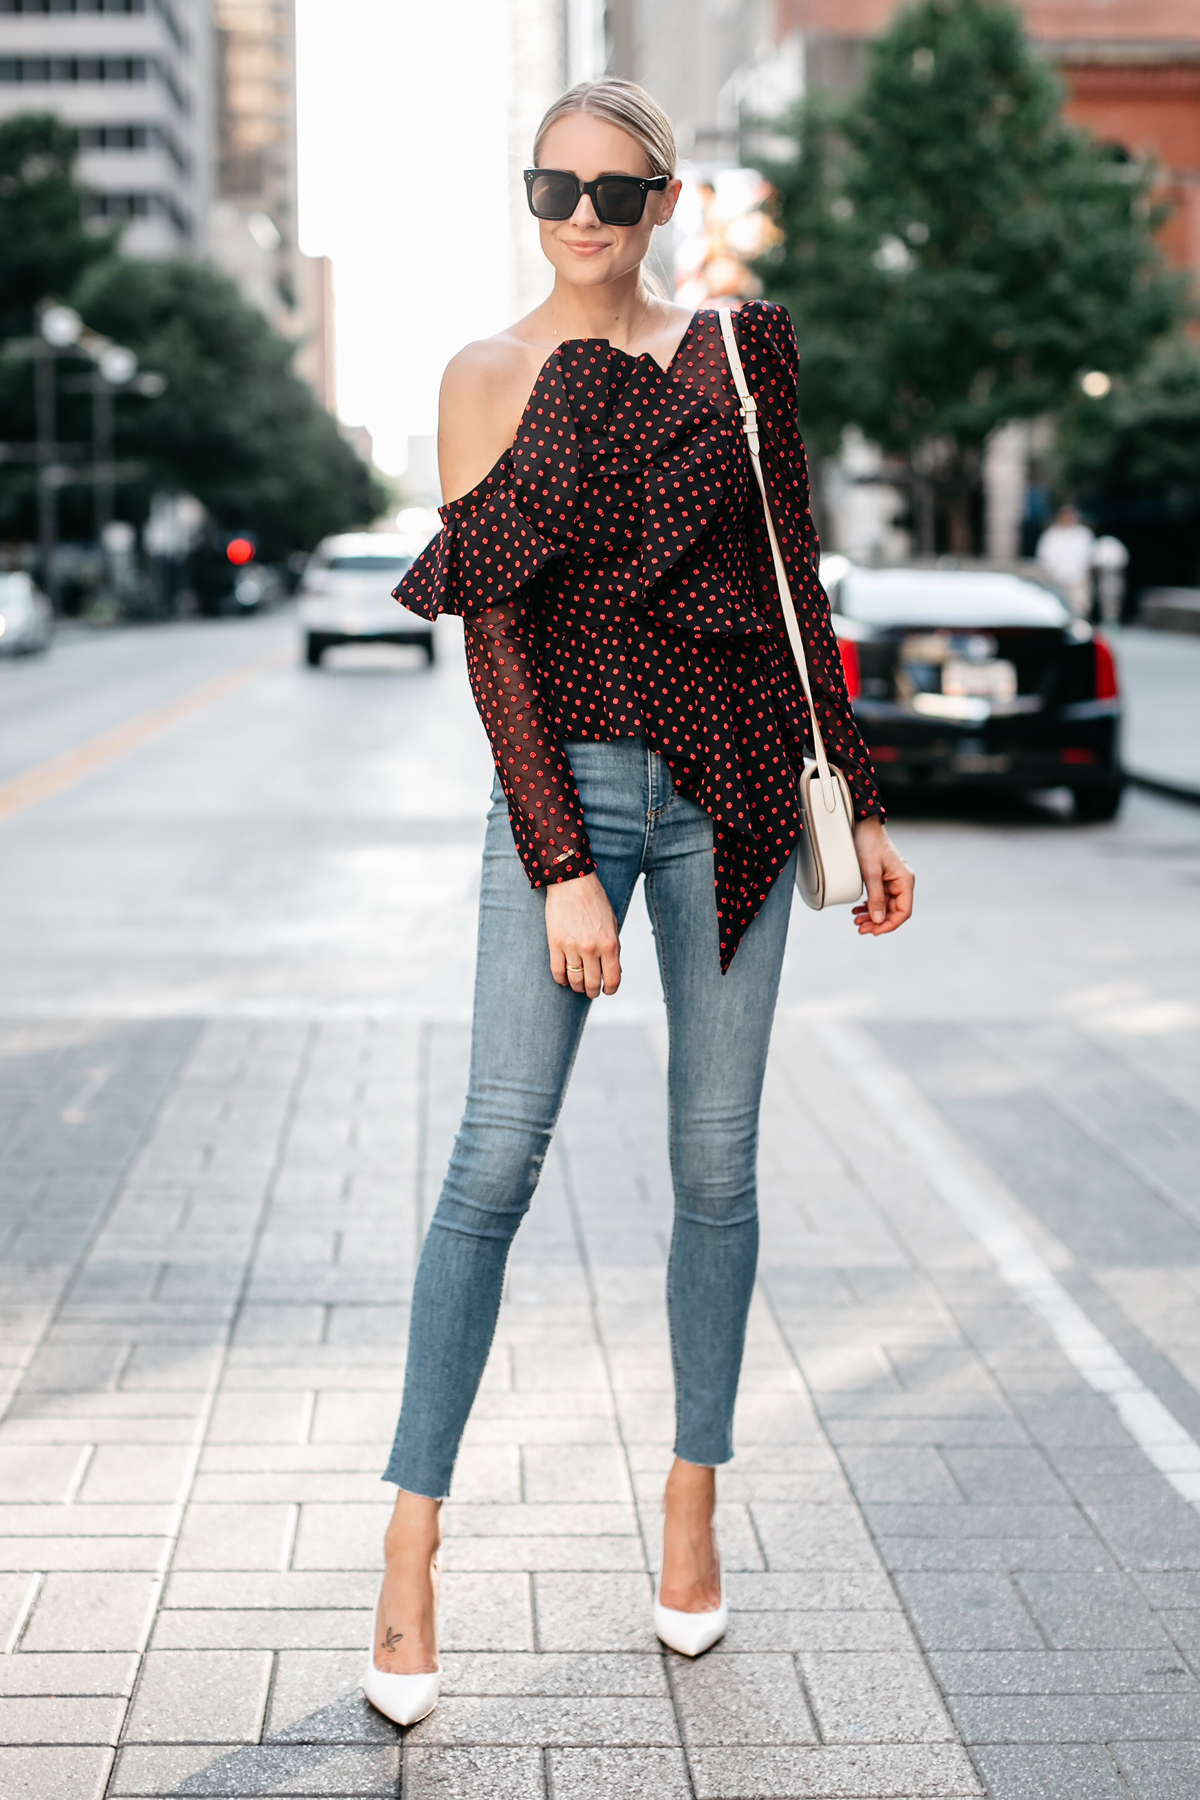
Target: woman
[(605, 544)]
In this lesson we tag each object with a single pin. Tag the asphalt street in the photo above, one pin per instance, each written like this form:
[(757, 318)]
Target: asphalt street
[(961, 1531)]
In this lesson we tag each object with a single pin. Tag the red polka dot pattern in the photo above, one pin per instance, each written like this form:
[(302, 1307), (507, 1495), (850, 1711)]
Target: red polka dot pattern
[(615, 579)]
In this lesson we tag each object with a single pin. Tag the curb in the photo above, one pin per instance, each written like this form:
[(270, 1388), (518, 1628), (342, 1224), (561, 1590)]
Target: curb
[(1170, 790)]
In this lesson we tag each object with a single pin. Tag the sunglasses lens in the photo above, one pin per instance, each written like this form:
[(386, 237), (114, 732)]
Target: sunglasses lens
[(553, 196), (619, 201)]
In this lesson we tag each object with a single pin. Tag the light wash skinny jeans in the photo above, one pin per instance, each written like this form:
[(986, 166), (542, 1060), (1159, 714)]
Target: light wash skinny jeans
[(525, 1036)]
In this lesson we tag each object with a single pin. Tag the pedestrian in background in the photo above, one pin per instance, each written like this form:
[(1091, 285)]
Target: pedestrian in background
[(1064, 552), (604, 542)]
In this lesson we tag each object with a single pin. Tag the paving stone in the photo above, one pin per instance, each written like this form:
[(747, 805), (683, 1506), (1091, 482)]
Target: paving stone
[(315, 1696), (793, 1631), (591, 1774), (900, 1473), (589, 1472), (145, 1473), (55, 1719), (813, 1537), (478, 1773), (89, 1612), (835, 1772), (523, 1719), (1159, 1771), (1051, 1772), (342, 1537), (592, 1612), (753, 1698), (61, 1773), (585, 1519), (1062, 1672), (47, 1672), (875, 1698), (542, 1553), (35, 1473), (232, 1537), (366, 1772), (967, 1612), (492, 1612), (1078, 1718), (1091, 1612), (259, 1628), (85, 1553), (546, 1673), (983, 1554), (188, 1696), (811, 1590)]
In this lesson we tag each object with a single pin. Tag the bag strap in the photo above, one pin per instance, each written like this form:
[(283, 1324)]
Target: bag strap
[(750, 427)]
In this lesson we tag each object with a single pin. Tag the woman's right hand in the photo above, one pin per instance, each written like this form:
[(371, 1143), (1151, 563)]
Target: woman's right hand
[(581, 930)]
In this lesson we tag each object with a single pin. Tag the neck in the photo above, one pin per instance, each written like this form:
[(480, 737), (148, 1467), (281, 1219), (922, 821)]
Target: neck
[(615, 311)]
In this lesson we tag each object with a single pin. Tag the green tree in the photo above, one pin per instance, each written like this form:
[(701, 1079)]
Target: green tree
[(1133, 458), (45, 248), (955, 254), (236, 426)]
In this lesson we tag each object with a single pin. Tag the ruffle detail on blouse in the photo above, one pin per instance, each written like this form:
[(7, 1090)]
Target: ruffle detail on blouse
[(486, 550), (613, 461)]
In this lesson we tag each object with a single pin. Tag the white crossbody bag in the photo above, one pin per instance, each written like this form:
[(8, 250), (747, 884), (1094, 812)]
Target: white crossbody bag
[(827, 871)]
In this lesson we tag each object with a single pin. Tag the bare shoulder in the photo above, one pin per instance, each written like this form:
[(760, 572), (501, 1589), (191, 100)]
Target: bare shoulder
[(484, 392)]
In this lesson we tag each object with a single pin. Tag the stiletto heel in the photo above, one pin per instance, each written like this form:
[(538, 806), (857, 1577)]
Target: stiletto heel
[(691, 1633), (401, 1698)]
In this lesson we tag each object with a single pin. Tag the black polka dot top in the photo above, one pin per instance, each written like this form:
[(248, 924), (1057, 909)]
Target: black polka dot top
[(615, 579)]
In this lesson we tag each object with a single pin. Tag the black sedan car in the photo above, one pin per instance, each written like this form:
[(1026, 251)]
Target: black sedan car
[(964, 675)]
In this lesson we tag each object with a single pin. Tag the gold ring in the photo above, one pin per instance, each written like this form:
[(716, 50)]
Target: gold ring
[(576, 971)]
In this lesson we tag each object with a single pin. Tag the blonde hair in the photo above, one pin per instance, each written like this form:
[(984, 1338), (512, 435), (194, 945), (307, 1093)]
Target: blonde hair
[(620, 103)]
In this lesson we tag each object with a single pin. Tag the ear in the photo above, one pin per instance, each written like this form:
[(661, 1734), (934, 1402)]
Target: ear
[(670, 199)]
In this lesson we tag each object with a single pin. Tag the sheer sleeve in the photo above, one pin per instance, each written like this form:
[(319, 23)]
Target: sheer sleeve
[(767, 340), (543, 801)]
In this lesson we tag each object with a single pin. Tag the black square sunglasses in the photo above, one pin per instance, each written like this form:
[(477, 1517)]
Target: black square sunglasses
[(617, 199)]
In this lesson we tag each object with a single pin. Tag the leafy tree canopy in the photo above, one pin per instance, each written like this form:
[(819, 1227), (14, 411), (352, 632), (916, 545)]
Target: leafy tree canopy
[(1143, 441), (955, 253), (44, 246), (236, 427)]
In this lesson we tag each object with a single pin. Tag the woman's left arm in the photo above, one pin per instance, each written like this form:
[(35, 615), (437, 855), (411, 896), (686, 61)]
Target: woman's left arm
[(767, 341)]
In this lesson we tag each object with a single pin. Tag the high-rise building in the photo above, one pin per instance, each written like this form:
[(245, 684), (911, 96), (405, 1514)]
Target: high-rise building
[(136, 78), (252, 221)]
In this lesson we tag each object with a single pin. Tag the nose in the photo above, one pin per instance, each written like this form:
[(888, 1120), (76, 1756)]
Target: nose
[(585, 214)]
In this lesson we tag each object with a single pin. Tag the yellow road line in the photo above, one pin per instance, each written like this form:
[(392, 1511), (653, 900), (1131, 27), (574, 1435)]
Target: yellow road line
[(60, 772)]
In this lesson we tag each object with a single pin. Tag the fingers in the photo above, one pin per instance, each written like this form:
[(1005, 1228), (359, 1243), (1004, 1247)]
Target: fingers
[(583, 938), (889, 902)]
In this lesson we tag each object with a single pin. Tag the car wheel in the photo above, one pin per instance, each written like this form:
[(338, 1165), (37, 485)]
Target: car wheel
[(314, 650), (1099, 802)]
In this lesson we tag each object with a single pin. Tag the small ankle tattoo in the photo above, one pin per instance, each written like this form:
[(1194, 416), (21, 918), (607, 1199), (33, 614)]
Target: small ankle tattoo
[(391, 1638)]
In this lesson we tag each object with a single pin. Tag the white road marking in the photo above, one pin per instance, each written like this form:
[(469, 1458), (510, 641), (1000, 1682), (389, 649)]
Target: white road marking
[(1157, 1432)]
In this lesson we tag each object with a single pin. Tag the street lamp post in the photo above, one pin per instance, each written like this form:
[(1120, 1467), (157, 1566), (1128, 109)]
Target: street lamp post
[(59, 328)]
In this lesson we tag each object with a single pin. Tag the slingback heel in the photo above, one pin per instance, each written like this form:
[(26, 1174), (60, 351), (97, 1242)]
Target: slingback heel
[(691, 1633), (401, 1698)]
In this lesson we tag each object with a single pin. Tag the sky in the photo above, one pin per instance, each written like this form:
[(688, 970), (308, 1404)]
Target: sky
[(402, 134)]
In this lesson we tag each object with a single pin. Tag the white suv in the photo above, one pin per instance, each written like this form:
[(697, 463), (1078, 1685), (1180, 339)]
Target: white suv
[(346, 594)]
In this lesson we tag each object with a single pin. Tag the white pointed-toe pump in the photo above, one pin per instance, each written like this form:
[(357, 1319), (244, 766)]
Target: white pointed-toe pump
[(401, 1698), (691, 1633)]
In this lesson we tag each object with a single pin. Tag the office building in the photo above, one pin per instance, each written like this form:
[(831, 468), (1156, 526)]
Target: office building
[(137, 80)]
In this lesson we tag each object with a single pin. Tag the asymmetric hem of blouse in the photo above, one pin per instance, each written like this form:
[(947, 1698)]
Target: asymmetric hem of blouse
[(614, 577)]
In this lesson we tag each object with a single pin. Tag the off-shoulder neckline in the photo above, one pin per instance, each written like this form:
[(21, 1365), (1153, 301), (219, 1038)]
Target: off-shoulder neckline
[(664, 370)]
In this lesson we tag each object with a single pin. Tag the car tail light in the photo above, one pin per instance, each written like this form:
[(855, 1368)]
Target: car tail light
[(883, 753), (1080, 756), (1107, 685), (853, 673)]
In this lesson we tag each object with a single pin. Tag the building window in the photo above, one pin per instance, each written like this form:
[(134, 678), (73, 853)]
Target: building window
[(53, 69), (137, 206), (163, 8), (134, 137)]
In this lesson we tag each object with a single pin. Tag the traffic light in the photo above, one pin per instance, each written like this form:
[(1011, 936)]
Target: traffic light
[(240, 549)]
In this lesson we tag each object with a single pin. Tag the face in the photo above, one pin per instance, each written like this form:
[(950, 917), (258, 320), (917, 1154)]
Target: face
[(584, 252)]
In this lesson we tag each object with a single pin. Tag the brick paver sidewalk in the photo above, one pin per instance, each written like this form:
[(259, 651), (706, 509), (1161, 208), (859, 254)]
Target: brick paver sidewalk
[(937, 1534)]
